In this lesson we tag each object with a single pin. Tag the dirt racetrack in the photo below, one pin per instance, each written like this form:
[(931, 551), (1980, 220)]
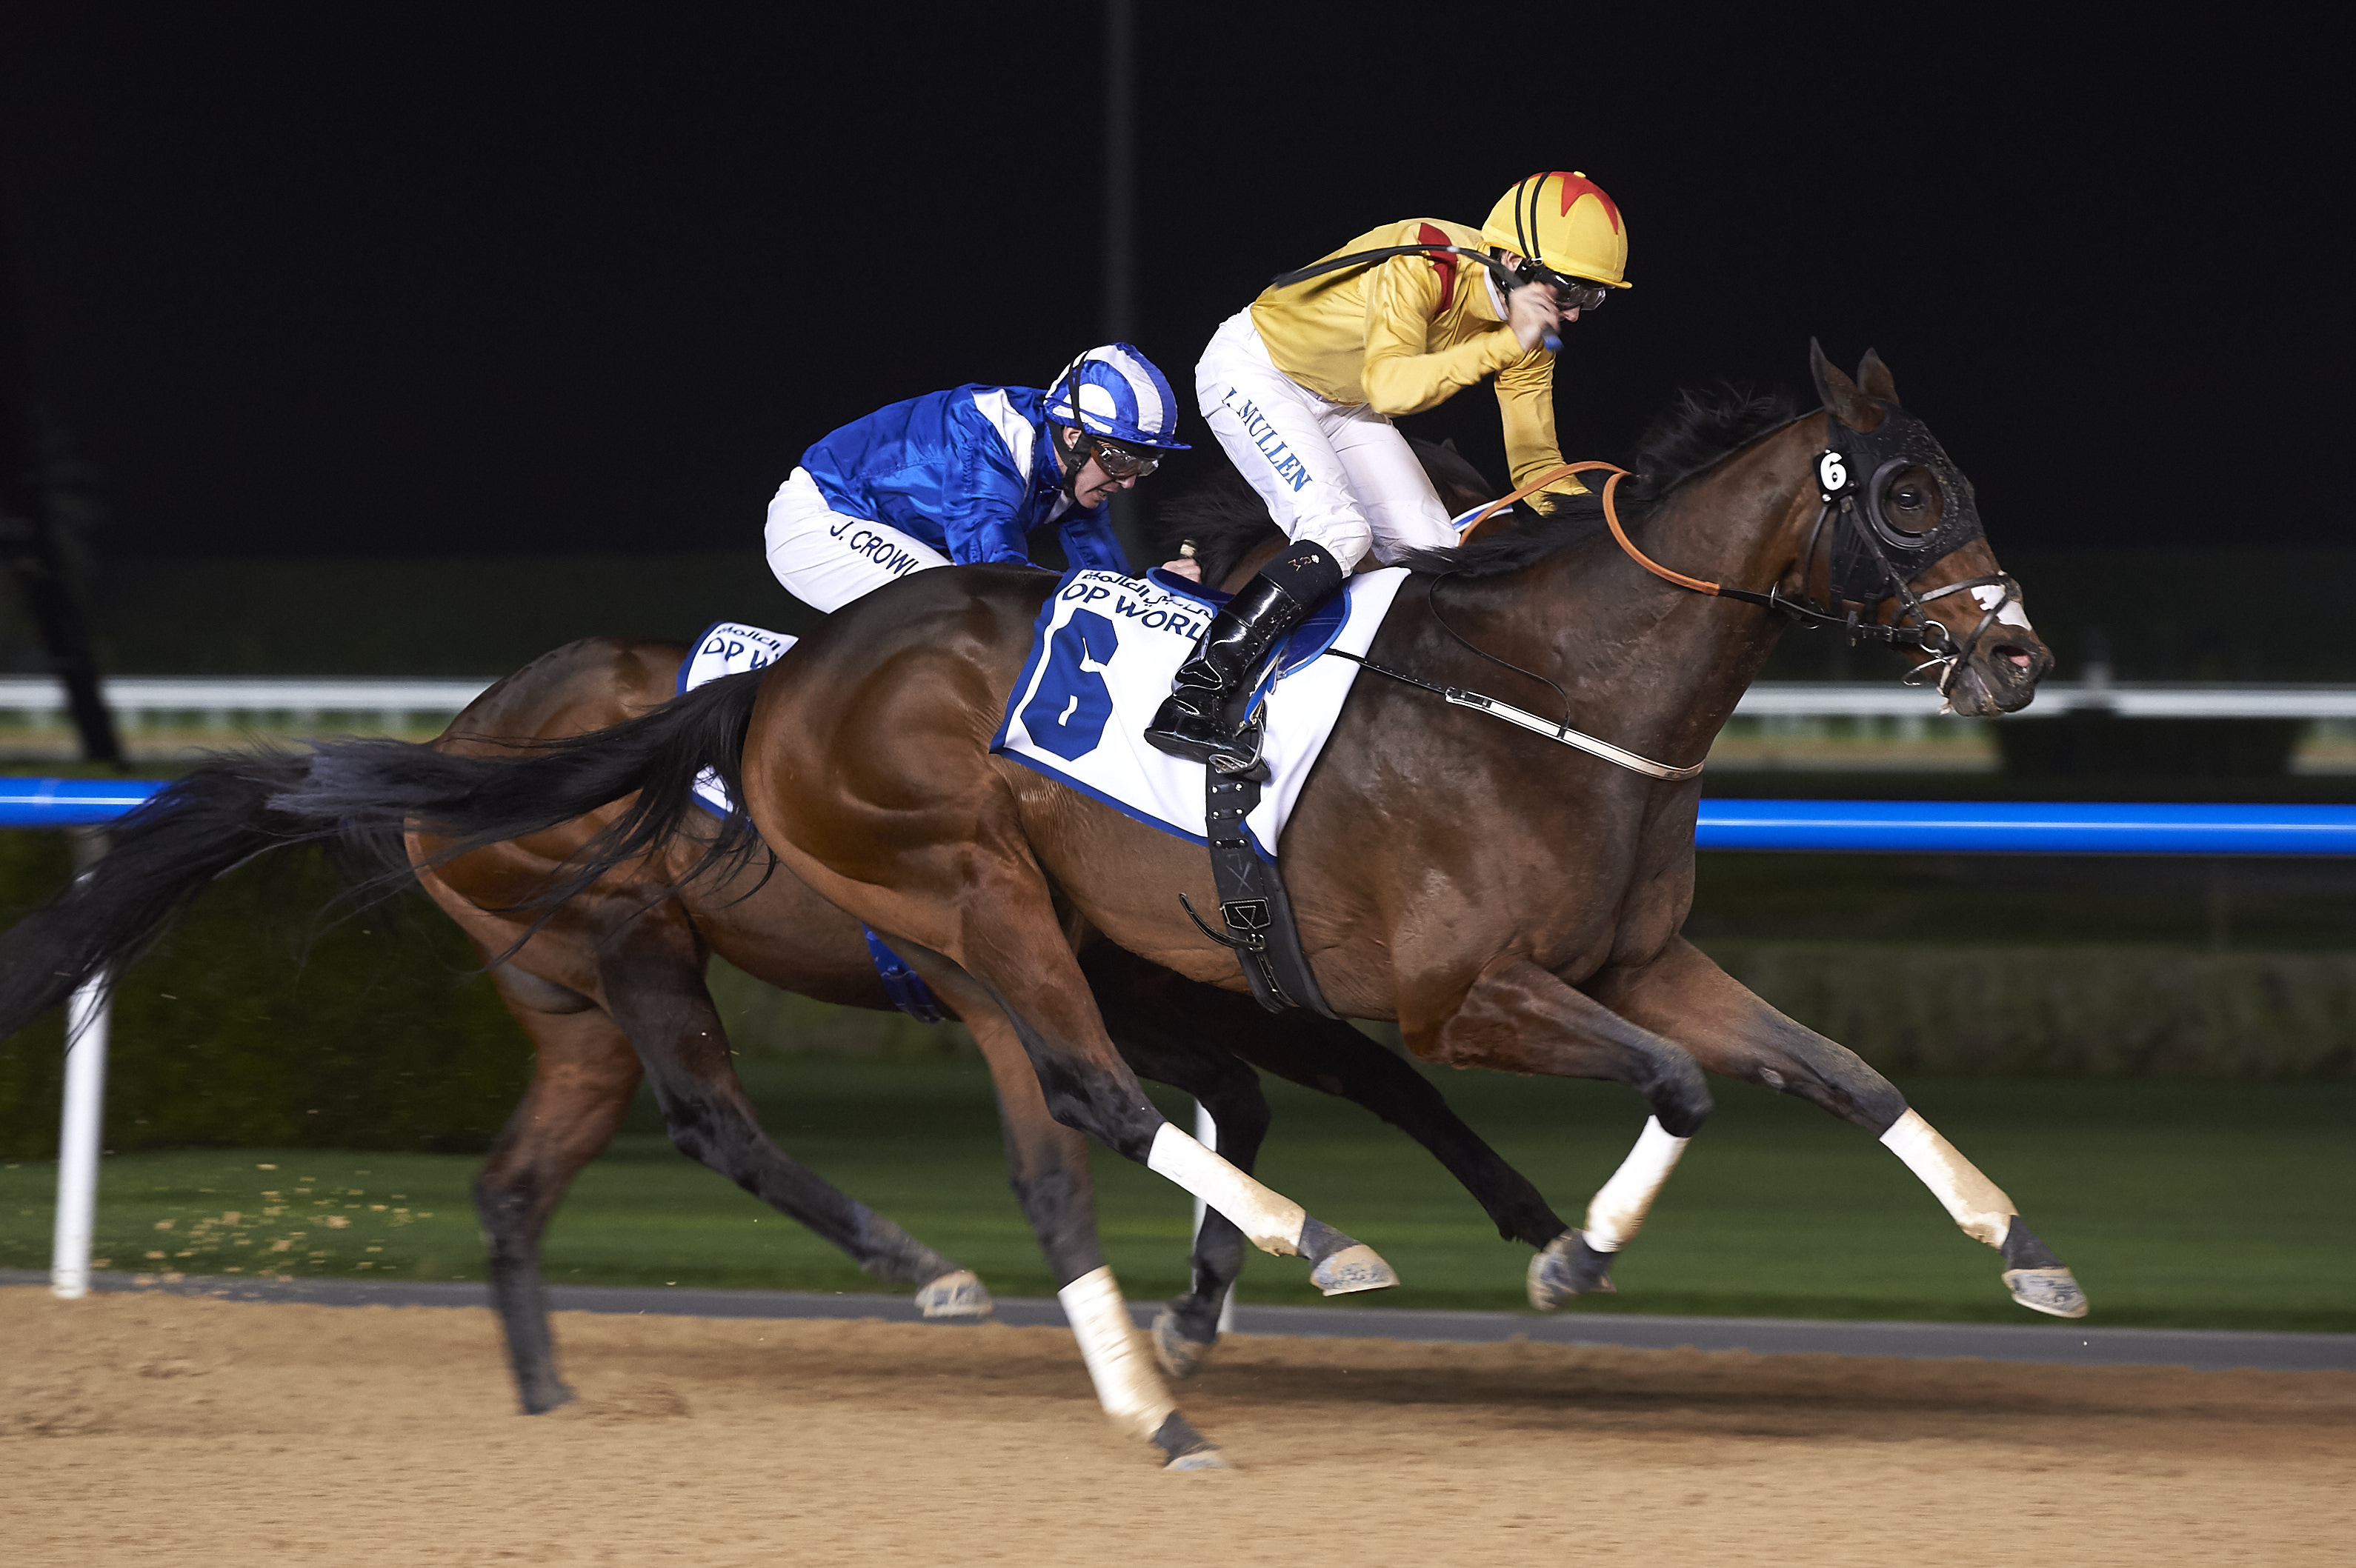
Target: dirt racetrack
[(159, 1428)]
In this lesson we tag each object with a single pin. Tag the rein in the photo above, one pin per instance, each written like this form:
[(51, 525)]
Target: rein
[(1910, 626)]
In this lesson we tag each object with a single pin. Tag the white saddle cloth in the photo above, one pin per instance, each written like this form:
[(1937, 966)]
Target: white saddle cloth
[(1100, 665), (727, 648)]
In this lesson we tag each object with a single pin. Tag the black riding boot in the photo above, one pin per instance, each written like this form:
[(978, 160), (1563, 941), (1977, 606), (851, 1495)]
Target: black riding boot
[(1204, 717)]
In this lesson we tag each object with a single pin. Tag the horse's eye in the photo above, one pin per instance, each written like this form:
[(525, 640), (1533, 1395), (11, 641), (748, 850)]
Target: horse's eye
[(1908, 496)]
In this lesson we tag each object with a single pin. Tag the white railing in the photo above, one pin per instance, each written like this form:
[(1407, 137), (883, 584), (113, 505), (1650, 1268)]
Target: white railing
[(224, 698), (1887, 699), (39, 695), (234, 695)]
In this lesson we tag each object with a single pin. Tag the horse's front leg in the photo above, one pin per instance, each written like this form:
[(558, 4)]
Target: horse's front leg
[(1687, 996), (1517, 1018)]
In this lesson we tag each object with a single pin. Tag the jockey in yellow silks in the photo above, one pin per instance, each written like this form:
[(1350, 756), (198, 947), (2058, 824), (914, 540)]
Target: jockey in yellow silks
[(1301, 388)]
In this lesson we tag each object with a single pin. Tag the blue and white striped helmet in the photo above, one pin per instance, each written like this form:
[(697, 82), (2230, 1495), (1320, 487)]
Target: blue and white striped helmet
[(1121, 398)]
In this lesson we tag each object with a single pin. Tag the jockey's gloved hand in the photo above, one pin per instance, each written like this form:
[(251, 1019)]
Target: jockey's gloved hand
[(1557, 503)]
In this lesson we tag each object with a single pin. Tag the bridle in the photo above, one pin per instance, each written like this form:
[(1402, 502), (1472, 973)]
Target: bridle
[(1868, 562)]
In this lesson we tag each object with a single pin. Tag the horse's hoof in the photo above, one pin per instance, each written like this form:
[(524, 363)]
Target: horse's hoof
[(2053, 1291), (541, 1398), (1186, 1449), (1178, 1356), (1569, 1267), (1352, 1269), (954, 1295), (1201, 1459)]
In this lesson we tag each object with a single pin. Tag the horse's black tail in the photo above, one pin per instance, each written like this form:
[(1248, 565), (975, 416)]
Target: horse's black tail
[(357, 798)]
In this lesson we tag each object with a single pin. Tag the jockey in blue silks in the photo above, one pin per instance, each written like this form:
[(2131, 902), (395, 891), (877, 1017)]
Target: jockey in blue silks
[(964, 476)]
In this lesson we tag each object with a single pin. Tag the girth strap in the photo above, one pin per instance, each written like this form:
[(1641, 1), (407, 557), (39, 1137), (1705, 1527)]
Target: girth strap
[(1252, 906)]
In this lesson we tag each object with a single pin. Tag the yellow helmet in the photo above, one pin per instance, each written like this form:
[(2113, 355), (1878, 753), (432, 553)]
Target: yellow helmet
[(1563, 221)]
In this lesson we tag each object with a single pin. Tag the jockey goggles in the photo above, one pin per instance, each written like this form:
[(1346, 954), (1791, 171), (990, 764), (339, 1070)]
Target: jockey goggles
[(1570, 293), (1119, 462)]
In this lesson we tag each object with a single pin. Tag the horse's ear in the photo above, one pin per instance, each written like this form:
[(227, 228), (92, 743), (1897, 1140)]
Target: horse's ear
[(1448, 443), (1873, 378), (1839, 393)]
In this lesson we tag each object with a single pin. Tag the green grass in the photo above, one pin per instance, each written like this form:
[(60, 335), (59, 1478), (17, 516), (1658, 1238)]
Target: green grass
[(2223, 1204)]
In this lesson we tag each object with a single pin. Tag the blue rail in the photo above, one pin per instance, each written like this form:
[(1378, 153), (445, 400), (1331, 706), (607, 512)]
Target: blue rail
[(2013, 828), (70, 803), (2026, 827)]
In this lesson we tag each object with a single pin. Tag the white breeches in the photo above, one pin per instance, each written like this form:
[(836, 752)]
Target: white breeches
[(1338, 474), (825, 558)]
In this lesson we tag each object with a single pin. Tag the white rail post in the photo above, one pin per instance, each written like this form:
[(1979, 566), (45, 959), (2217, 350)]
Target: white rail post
[(81, 1122), (79, 1128), (1206, 1133)]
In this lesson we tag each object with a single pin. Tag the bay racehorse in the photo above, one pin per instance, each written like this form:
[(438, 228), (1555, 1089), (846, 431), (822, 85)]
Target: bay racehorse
[(1510, 903)]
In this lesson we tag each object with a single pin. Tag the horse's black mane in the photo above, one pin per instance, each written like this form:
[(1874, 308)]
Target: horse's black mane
[(1226, 520), (1699, 428)]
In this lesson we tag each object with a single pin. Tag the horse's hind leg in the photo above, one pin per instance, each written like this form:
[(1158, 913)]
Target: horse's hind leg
[(1015, 948), (1048, 1165), (584, 1074), (1685, 996), (653, 979)]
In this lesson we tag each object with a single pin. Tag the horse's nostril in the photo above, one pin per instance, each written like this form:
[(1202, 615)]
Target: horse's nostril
[(2019, 657)]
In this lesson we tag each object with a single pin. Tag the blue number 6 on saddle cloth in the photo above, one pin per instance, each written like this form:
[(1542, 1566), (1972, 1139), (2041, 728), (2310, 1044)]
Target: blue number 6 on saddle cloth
[(1100, 663)]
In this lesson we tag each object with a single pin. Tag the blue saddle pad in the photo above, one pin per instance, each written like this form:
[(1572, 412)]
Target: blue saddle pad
[(1308, 639), (903, 984)]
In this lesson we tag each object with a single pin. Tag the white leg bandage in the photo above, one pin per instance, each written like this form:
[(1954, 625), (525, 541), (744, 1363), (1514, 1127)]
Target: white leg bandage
[(1978, 1204), (1272, 1222), (1619, 1207), (1118, 1363)]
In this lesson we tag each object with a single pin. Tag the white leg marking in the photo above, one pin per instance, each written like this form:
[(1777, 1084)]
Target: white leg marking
[(1978, 1204), (1620, 1206), (1121, 1366), (1273, 1222)]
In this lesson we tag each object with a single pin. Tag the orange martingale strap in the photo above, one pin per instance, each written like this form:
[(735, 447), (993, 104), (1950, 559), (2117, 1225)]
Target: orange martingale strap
[(1610, 516), (1638, 556), (1534, 487)]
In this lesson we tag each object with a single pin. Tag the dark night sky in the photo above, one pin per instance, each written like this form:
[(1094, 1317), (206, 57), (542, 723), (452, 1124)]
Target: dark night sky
[(426, 280)]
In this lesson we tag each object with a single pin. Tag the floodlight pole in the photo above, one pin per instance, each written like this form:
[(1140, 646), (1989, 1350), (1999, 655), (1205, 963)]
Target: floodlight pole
[(81, 1121), (1118, 135), (1120, 168), (31, 549), (1120, 324)]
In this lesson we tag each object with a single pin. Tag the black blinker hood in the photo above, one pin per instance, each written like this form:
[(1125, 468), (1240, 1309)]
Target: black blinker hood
[(1867, 463)]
